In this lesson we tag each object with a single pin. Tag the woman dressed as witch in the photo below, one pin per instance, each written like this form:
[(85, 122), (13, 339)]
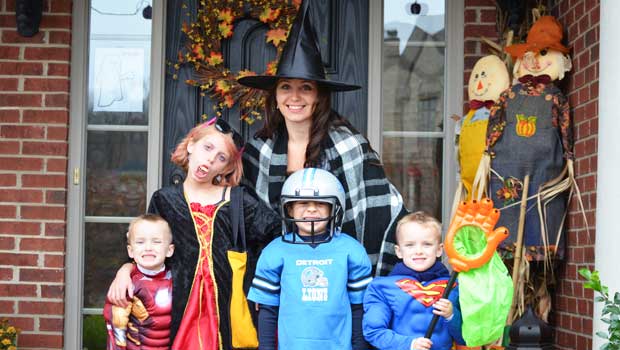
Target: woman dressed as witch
[(301, 130)]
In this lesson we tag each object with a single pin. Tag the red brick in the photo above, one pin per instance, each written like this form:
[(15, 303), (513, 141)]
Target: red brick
[(9, 116), (51, 324), (18, 290), (57, 261), (21, 196), (42, 244), (22, 132), (471, 47), (8, 84), (56, 22), (6, 274), (55, 229), (56, 165), (21, 68), (8, 211), (41, 275), (19, 259), (40, 341), (9, 163), (8, 307), (58, 181), (9, 52), (9, 147), (10, 5), (58, 69), (488, 16), (595, 15), (23, 323), (41, 307), (7, 243), (478, 30), (47, 84), (57, 100), (43, 212), (470, 15), (45, 148), (473, 3), (20, 100), (60, 7), (12, 37), (57, 37), (57, 133), (8, 21), (45, 116), (8, 180), (56, 197), (47, 53), (52, 291), (20, 228)]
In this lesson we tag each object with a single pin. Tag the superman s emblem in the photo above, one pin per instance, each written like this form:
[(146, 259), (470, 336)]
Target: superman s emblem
[(426, 295)]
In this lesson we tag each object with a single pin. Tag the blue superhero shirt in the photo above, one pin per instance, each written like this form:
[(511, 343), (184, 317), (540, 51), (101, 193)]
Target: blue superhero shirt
[(398, 309), (314, 288)]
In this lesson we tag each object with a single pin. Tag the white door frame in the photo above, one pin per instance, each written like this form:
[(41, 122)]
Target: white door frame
[(74, 259)]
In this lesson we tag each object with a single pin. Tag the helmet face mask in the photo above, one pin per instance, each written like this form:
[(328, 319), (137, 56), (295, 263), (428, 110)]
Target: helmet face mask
[(291, 230), (311, 185)]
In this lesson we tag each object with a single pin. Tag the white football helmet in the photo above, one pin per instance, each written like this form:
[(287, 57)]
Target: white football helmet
[(312, 184)]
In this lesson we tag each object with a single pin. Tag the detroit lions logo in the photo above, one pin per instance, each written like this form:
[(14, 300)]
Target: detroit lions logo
[(313, 277)]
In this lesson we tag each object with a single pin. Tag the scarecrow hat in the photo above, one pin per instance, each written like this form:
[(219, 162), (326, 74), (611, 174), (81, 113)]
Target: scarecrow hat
[(300, 58), (546, 33)]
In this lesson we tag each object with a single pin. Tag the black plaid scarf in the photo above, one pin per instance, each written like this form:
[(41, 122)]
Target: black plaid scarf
[(373, 204)]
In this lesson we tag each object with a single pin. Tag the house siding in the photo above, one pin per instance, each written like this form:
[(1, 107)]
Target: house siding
[(34, 114)]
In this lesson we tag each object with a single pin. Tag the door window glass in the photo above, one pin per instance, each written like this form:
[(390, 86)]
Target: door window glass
[(116, 147), (413, 101)]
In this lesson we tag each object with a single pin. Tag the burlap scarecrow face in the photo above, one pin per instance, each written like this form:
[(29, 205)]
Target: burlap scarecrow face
[(488, 79), (552, 63), (543, 52)]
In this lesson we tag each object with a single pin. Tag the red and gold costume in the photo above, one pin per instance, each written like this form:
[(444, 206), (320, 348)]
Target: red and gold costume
[(199, 327), (145, 322)]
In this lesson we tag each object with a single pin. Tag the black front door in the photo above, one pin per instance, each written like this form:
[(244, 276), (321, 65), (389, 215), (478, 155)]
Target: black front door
[(342, 29)]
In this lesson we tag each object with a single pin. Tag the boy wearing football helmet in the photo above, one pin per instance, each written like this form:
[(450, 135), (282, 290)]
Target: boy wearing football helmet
[(311, 271)]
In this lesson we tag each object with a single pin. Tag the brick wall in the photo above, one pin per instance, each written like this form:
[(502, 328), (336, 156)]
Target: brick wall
[(572, 318), (34, 114), (574, 307)]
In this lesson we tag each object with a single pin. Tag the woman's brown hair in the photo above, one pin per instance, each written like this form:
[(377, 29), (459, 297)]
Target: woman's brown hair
[(323, 119), (234, 169)]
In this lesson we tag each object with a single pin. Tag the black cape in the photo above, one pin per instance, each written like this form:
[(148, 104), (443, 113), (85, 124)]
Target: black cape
[(262, 225)]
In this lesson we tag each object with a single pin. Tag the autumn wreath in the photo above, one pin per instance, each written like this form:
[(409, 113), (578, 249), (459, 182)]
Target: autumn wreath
[(215, 23)]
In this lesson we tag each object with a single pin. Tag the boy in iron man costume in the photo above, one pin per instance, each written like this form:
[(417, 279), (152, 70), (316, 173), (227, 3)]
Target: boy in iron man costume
[(145, 322)]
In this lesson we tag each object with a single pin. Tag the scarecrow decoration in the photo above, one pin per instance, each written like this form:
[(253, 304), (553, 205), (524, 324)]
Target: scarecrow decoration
[(529, 163), (488, 79)]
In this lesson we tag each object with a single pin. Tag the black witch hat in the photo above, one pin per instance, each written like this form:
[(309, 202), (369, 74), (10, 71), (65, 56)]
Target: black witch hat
[(300, 58)]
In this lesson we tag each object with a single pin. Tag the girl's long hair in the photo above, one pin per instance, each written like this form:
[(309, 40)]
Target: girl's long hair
[(323, 119), (234, 169)]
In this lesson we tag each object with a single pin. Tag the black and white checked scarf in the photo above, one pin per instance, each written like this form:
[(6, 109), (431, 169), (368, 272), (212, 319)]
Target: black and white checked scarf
[(373, 204)]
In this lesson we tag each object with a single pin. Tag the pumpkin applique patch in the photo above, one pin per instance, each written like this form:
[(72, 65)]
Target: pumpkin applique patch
[(526, 126), (426, 295)]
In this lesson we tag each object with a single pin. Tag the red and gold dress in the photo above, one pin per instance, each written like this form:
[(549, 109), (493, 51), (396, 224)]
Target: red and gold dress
[(199, 327)]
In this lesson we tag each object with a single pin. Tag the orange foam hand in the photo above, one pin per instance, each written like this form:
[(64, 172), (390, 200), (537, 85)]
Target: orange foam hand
[(479, 215)]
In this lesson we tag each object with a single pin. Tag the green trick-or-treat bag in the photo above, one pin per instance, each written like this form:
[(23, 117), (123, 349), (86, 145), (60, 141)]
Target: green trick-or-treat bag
[(485, 293)]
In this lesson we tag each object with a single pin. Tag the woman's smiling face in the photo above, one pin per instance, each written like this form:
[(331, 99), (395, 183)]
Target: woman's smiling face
[(296, 99)]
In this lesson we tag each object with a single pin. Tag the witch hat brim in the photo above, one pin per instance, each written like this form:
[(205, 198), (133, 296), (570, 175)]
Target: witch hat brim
[(301, 58)]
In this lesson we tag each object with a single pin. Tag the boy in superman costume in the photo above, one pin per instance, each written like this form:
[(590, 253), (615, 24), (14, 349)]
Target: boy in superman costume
[(398, 308)]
